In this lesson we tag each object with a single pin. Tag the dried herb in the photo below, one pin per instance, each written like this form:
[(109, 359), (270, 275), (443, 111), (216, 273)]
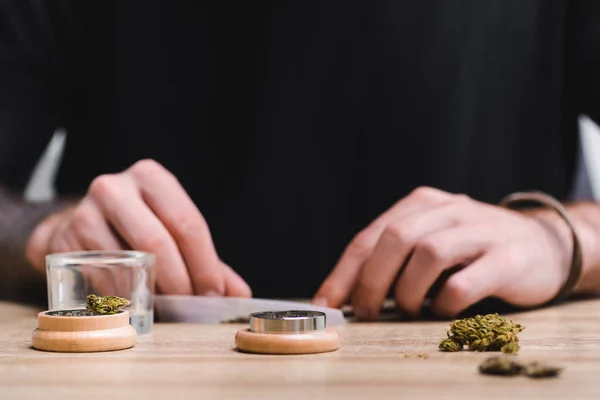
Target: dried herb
[(419, 355), (450, 345), (489, 332), (72, 313), (506, 366), (511, 347), (500, 366), (105, 305), (538, 370)]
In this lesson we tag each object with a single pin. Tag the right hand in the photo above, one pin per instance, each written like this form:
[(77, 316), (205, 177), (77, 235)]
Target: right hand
[(142, 208)]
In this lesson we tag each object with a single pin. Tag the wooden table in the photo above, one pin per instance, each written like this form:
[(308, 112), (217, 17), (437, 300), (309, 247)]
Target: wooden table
[(377, 360)]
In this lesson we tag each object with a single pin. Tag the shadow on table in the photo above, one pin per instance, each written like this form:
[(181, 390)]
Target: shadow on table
[(390, 313)]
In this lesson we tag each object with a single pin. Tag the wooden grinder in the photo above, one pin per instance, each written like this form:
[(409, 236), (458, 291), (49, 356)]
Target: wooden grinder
[(287, 332), (79, 331)]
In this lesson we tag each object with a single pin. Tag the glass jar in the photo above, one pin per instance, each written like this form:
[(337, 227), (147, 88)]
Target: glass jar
[(71, 277)]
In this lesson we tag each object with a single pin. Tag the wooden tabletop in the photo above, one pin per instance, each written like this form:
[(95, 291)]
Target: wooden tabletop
[(376, 361)]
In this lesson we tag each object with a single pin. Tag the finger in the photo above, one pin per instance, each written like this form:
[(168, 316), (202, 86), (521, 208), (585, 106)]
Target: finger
[(118, 199), (94, 279), (435, 253), (235, 286), (394, 247), (169, 201), (335, 289), (92, 229), (63, 239), (477, 281), (94, 233)]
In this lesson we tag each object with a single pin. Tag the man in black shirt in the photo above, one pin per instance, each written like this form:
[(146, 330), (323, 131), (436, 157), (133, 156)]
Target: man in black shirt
[(249, 145)]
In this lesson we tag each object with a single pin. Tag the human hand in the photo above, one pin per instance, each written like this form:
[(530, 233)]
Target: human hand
[(520, 258), (142, 208)]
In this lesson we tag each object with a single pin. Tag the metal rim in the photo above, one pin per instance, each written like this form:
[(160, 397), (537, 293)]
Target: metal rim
[(100, 258), (292, 321)]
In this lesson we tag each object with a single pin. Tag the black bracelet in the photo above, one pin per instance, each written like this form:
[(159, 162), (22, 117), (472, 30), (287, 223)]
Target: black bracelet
[(577, 257)]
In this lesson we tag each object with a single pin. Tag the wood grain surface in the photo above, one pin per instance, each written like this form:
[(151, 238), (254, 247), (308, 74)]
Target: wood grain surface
[(376, 361)]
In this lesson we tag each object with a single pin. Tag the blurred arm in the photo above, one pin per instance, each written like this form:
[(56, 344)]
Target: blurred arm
[(31, 108), (19, 280)]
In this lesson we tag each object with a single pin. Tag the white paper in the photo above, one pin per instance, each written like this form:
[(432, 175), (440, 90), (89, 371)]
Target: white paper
[(215, 310)]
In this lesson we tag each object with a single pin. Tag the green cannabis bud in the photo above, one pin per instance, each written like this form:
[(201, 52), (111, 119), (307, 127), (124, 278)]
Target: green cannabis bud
[(511, 347), (500, 366), (450, 344), (489, 332), (105, 305)]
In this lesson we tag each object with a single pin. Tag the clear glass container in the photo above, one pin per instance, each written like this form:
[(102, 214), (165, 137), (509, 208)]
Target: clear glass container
[(71, 277)]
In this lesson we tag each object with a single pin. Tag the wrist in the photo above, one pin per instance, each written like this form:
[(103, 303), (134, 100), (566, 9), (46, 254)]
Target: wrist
[(585, 217), (556, 240), (555, 245), (558, 233)]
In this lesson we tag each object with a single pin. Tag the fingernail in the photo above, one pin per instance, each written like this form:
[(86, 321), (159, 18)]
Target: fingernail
[(320, 301), (212, 293)]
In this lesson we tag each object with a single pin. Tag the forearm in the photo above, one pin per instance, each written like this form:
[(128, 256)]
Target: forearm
[(20, 281)]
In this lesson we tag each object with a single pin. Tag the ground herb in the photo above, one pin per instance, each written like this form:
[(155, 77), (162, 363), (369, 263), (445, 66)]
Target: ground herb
[(489, 332), (105, 305), (500, 366), (507, 366), (419, 355), (538, 370), (238, 320), (72, 313)]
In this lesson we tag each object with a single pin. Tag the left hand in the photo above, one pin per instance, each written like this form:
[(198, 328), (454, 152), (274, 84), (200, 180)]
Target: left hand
[(520, 258)]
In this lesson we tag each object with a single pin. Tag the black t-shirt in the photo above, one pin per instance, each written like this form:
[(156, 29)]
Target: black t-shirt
[(293, 124)]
